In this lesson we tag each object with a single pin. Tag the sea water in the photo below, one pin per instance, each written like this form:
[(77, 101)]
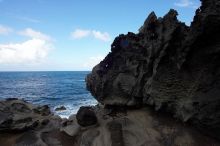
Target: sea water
[(48, 88)]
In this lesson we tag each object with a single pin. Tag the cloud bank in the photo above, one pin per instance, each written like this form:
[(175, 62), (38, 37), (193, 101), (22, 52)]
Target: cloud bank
[(83, 33), (35, 49)]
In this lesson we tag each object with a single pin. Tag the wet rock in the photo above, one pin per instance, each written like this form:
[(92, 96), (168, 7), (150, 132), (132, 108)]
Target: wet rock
[(61, 108), (86, 116)]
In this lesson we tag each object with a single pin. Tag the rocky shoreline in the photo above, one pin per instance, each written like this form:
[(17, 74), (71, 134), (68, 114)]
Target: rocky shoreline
[(24, 124), (159, 87)]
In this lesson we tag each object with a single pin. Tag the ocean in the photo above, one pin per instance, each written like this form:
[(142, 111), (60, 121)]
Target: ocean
[(48, 88)]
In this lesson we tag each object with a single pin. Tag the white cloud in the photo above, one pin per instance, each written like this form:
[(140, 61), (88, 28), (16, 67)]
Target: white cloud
[(81, 33), (93, 61), (34, 50), (4, 30), (184, 3), (101, 36), (35, 34), (25, 52)]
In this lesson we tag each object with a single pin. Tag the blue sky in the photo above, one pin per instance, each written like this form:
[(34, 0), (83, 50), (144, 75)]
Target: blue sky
[(56, 35)]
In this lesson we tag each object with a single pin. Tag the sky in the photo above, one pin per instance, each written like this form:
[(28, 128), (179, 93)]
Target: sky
[(72, 35)]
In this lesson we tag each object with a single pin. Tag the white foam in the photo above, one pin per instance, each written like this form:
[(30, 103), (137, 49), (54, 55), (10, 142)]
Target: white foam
[(71, 109)]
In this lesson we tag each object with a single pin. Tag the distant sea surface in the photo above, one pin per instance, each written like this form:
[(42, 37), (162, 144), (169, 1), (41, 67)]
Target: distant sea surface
[(48, 88)]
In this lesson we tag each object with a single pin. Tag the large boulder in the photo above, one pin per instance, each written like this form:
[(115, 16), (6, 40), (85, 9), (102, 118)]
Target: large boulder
[(86, 116), (168, 65)]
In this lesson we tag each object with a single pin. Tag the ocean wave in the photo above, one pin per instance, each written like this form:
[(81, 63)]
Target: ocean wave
[(72, 108), (48, 88)]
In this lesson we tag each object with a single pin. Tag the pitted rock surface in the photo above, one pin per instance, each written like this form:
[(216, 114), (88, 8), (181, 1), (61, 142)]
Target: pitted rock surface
[(168, 65)]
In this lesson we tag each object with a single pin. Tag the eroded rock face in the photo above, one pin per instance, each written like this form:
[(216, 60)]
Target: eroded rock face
[(168, 65), (18, 115), (22, 123), (140, 127)]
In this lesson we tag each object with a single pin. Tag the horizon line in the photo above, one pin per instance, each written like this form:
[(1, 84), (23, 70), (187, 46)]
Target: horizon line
[(45, 70)]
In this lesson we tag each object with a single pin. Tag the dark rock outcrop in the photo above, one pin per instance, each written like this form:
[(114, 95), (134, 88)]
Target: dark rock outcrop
[(18, 115), (61, 108), (123, 128), (22, 123), (168, 65), (86, 116)]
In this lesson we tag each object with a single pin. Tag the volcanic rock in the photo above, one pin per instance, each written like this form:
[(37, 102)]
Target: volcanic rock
[(86, 116), (168, 65), (22, 123), (61, 108)]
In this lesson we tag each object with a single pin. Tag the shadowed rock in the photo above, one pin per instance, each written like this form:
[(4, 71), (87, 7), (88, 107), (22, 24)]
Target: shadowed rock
[(22, 123), (43, 110), (61, 108), (168, 65), (115, 129), (86, 116)]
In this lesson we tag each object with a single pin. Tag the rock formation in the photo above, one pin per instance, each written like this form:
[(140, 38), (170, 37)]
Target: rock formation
[(24, 124), (86, 116), (168, 65), (61, 108)]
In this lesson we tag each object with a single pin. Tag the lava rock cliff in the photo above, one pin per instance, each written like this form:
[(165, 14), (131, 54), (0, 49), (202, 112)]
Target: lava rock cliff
[(168, 65)]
